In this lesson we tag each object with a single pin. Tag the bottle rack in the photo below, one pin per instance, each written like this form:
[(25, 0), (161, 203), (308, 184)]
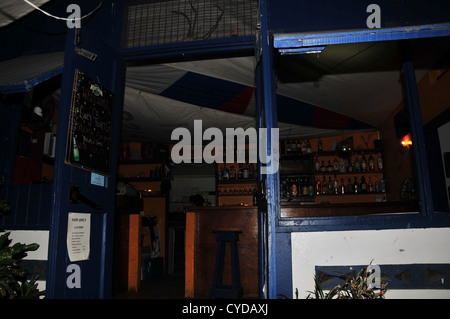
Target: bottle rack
[(236, 184), (328, 180)]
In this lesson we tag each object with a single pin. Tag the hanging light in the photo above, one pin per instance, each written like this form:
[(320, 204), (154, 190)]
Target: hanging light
[(406, 143)]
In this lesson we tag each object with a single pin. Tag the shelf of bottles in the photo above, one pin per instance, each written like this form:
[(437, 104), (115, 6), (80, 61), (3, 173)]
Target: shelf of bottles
[(334, 177), (236, 184)]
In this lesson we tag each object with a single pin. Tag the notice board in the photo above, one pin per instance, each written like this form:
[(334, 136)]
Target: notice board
[(89, 134)]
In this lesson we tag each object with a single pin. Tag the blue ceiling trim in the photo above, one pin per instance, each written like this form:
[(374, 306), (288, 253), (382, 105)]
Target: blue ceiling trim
[(27, 84), (299, 40)]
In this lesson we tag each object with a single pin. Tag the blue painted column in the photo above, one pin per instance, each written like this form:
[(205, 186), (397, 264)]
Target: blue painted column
[(267, 118), (415, 118)]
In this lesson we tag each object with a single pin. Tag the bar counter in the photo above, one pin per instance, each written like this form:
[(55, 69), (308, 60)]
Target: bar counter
[(201, 245)]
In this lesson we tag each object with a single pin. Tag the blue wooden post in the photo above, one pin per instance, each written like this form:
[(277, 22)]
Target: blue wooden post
[(415, 117), (267, 118)]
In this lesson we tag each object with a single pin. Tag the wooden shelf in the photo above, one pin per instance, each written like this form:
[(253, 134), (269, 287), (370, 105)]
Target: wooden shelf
[(238, 181)]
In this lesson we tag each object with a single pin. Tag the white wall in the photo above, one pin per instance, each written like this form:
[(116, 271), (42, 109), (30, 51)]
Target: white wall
[(444, 138), (344, 248), (27, 237)]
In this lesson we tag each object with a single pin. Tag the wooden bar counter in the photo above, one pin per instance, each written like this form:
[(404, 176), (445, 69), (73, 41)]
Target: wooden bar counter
[(201, 247)]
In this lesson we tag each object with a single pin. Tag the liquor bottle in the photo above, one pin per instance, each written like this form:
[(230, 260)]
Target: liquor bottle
[(380, 162), (329, 167), (370, 186), (324, 186), (350, 167), (341, 165), (382, 185), (319, 145), (311, 187), (371, 163), (303, 147), (336, 186), (289, 147), (226, 175), (335, 165), (363, 163), (255, 197), (318, 187), (342, 187), (245, 172), (349, 186), (330, 186), (377, 185), (356, 189), (323, 169), (317, 164), (299, 147), (239, 174), (308, 147), (305, 186), (294, 190), (294, 148), (76, 152), (363, 185), (357, 164), (232, 173), (220, 174)]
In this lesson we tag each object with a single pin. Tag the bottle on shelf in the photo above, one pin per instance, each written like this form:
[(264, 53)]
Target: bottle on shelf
[(330, 186), (232, 173), (335, 165), (294, 189), (363, 185), (240, 170), (299, 147), (324, 186), (245, 172), (371, 163), (319, 145), (342, 189), (377, 185), (356, 189), (255, 197), (311, 187), (363, 163), (226, 176), (294, 148), (329, 167), (288, 147), (317, 164), (335, 186), (350, 167), (382, 185), (323, 169), (341, 165), (357, 164), (349, 186), (308, 147), (318, 187), (303, 147), (305, 186), (370, 186), (380, 162)]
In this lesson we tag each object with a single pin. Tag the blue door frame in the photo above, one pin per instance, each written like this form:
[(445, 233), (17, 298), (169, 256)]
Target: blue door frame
[(271, 227)]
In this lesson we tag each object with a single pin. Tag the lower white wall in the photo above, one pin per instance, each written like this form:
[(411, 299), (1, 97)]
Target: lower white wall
[(345, 248), (27, 237)]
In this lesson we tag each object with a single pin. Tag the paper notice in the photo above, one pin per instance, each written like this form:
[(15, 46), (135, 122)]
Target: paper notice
[(78, 236)]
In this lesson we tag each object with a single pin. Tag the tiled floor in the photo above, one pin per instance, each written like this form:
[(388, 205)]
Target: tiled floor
[(161, 287)]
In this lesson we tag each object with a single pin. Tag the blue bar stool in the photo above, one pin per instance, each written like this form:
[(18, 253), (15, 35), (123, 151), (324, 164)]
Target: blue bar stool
[(219, 290)]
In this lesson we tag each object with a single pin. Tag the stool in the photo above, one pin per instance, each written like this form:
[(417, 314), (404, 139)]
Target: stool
[(219, 290)]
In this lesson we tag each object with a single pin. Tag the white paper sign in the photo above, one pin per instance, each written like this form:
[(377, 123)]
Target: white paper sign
[(78, 236)]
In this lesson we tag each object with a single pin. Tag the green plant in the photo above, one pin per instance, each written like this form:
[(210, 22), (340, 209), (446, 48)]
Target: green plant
[(353, 288), (13, 277)]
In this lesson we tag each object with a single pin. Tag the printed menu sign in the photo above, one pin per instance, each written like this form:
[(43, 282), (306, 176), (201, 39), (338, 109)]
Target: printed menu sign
[(89, 136), (78, 236)]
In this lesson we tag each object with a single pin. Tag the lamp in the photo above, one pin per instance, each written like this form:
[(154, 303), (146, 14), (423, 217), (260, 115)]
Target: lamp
[(406, 143)]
